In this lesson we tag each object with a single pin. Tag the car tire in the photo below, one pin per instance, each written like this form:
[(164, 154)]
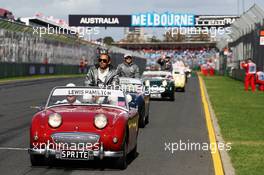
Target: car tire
[(134, 152), (121, 162), (142, 117), (37, 160), (147, 117), (172, 97)]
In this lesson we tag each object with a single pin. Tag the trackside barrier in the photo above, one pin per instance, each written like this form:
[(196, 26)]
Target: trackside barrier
[(27, 69), (8, 69), (238, 74)]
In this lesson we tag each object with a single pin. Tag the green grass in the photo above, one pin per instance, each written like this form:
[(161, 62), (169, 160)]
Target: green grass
[(240, 115), (35, 77), (248, 159)]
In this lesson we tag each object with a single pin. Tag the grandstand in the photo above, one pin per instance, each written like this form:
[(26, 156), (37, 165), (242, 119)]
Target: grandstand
[(19, 27), (59, 25), (167, 45)]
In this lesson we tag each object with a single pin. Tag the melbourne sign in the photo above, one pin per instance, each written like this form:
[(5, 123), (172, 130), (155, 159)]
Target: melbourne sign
[(152, 20)]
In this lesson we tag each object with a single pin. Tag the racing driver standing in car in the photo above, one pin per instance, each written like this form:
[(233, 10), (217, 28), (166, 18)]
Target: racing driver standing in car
[(165, 63), (128, 68), (102, 74)]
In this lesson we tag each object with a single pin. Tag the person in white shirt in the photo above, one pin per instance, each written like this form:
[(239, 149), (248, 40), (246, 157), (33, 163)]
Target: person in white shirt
[(70, 99)]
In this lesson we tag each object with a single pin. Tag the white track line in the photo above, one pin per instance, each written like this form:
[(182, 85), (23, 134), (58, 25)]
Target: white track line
[(15, 149)]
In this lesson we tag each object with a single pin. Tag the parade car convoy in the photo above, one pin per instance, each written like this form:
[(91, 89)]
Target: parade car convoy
[(82, 123), (87, 123), (160, 83), (140, 98)]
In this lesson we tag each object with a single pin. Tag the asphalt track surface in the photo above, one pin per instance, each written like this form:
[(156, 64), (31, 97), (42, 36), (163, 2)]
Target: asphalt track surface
[(170, 122)]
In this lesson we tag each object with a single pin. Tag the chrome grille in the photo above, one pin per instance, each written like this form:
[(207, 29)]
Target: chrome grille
[(75, 138)]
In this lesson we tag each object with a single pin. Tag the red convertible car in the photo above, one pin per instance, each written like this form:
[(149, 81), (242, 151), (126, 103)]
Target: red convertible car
[(82, 123)]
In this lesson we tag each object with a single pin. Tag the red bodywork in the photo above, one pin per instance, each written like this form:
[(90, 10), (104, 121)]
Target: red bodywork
[(260, 81), (81, 119)]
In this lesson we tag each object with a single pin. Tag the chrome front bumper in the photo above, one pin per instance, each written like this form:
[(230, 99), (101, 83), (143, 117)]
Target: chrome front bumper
[(75, 137), (98, 154), (179, 84)]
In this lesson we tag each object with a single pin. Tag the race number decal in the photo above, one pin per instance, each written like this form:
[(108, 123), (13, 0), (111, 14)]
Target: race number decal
[(83, 91), (252, 68), (261, 77)]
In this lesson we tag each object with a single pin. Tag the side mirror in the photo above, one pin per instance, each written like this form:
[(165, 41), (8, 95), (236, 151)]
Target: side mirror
[(133, 105), (129, 98), (130, 101), (39, 108)]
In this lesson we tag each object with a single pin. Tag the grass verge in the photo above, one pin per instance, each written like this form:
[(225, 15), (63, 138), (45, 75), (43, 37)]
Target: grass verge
[(240, 116)]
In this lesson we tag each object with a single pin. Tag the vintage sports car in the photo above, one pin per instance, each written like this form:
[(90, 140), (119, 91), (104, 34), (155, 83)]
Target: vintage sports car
[(83, 123), (180, 79), (188, 72), (160, 84), (140, 99)]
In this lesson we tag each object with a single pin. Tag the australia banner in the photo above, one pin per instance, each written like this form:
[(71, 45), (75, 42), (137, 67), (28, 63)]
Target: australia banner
[(151, 20)]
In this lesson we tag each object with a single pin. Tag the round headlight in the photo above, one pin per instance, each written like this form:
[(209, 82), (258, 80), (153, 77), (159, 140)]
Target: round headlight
[(164, 83), (55, 120), (100, 121), (147, 83)]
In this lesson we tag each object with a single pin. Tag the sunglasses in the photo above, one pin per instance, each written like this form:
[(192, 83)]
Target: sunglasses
[(128, 58), (103, 60)]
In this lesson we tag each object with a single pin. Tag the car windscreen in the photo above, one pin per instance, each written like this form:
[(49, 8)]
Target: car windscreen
[(86, 96), (131, 85), (157, 75), (154, 76)]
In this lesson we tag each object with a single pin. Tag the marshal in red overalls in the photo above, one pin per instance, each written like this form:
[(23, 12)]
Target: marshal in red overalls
[(204, 69), (260, 80), (250, 69), (211, 67)]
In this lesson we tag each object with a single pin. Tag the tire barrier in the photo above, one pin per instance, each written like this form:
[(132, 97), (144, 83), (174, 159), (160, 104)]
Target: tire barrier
[(238, 74)]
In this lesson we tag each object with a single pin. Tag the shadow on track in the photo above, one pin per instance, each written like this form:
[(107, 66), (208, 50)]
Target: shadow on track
[(94, 165)]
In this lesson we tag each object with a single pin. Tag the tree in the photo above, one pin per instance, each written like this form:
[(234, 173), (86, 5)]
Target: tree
[(154, 39), (108, 40)]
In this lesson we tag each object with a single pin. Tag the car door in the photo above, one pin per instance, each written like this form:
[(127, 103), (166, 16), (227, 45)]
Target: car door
[(133, 127)]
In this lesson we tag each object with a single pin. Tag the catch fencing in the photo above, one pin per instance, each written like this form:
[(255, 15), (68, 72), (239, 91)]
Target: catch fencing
[(24, 53), (246, 40)]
